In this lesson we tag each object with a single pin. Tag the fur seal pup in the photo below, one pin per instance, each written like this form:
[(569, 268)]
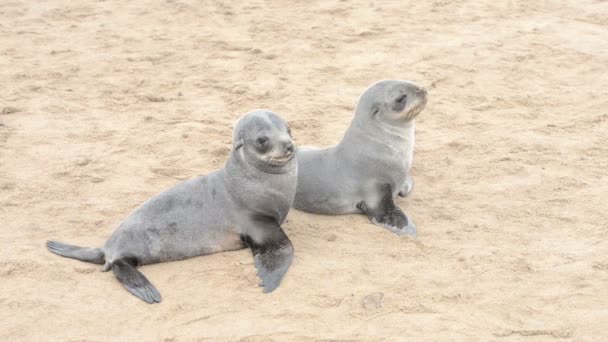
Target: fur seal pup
[(241, 205), (370, 166)]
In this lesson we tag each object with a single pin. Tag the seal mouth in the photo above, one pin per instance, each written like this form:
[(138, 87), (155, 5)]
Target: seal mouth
[(416, 108), (281, 160)]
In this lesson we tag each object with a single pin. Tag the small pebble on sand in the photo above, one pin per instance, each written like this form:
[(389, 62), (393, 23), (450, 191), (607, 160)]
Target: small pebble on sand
[(372, 300), (9, 110)]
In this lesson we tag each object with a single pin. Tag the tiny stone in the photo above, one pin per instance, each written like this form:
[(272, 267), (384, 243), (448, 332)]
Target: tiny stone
[(239, 90), (97, 179), (180, 94), (154, 98), (372, 300), (84, 270), (7, 186), (9, 110), (82, 161)]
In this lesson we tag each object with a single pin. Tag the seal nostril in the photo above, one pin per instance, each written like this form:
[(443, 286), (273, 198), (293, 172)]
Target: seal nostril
[(289, 147), (422, 91)]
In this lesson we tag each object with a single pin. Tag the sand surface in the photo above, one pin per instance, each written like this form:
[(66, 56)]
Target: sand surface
[(107, 103)]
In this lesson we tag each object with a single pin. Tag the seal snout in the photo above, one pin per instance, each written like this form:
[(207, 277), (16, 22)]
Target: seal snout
[(289, 147), (283, 153), (288, 151), (421, 92)]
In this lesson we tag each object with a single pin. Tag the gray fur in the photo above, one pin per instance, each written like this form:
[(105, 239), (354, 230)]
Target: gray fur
[(376, 153), (248, 199)]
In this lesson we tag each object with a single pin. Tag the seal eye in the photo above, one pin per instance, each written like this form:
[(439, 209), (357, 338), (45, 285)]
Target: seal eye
[(262, 141), (402, 98)]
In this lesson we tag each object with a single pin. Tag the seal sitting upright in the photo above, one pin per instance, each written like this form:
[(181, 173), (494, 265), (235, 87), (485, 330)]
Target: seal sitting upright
[(370, 166), (241, 205)]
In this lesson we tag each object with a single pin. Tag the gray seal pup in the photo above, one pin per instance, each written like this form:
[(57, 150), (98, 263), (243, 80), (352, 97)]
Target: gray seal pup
[(370, 166), (241, 205)]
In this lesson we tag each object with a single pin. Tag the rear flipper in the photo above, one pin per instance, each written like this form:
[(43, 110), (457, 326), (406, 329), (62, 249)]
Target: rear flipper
[(93, 255), (386, 214), (134, 281), (272, 251), (408, 186)]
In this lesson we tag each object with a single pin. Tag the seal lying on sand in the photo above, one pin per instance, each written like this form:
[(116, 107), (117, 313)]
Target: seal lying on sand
[(370, 166), (241, 205)]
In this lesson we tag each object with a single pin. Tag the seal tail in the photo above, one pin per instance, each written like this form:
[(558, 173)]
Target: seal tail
[(135, 281), (93, 255)]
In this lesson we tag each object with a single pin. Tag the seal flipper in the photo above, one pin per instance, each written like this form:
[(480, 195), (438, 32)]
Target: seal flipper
[(386, 214), (93, 255), (272, 253), (134, 281), (408, 186)]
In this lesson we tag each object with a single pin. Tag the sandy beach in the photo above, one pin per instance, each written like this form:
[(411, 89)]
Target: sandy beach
[(105, 103)]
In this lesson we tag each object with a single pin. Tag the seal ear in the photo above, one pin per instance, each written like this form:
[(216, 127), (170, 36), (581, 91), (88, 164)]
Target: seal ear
[(239, 144), (375, 111)]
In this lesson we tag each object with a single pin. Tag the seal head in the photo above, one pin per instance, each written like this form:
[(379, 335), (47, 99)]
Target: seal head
[(263, 140), (394, 102)]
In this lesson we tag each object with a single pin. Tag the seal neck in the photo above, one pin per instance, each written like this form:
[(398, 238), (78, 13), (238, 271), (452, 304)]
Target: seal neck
[(394, 136)]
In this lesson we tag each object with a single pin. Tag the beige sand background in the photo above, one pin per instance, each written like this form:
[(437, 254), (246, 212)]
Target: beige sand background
[(107, 103)]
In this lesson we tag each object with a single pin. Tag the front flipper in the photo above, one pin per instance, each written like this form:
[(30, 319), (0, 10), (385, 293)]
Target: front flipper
[(386, 214), (408, 186), (272, 251), (134, 281)]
